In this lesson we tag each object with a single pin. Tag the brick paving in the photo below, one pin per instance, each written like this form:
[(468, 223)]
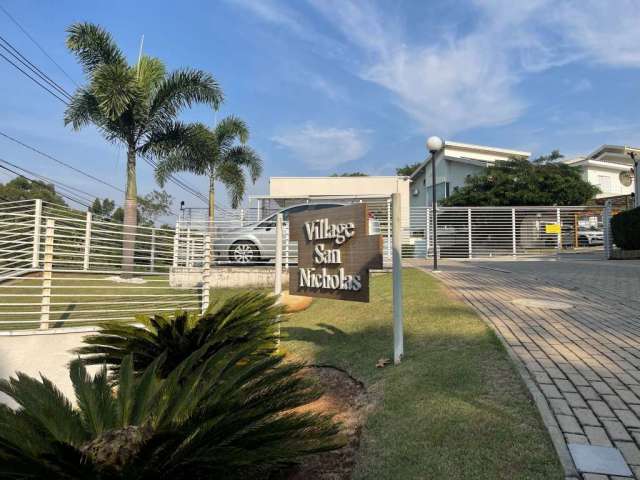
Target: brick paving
[(584, 359)]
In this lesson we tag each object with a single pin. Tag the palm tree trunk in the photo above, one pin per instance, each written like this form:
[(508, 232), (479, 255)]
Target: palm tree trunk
[(130, 215)]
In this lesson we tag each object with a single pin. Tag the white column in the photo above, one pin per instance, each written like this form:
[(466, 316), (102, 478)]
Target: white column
[(176, 241), (389, 229), (206, 274), (37, 220), (427, 233), (514, 245), (469, 233), (87, 241), (606, 226), (559, 222), (152, 255), (277, 288), (398, 333), (45, 301)]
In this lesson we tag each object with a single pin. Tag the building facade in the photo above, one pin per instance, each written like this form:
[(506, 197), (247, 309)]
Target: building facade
[(459, 161)]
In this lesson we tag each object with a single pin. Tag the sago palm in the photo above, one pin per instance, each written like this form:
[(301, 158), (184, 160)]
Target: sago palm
[(250, 317), (136, 106), (222, 155), (225, 415)]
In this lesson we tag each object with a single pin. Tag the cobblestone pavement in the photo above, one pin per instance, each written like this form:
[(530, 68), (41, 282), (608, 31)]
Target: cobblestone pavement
[(583, 352)]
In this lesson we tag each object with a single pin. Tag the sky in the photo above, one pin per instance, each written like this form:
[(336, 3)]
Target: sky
[(334, 86)]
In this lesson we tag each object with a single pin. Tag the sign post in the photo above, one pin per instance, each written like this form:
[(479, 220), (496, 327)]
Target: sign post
[(398, 330)]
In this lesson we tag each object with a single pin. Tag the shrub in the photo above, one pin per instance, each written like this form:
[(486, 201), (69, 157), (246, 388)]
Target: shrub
[(625, 228), (249, 317), (222, 415)]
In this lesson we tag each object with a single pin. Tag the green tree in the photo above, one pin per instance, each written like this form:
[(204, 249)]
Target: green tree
[(222, 154), (350, 174), (103, 208), (21, 188), (408, 169), (153, 205), (136, 106), (520, 182), (552, 157)]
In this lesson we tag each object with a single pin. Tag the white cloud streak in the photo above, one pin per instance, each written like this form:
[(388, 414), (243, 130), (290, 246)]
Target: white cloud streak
[(323, 148)]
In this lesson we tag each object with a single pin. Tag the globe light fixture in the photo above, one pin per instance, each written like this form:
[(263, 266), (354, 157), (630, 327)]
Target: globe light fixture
[(435, 145)]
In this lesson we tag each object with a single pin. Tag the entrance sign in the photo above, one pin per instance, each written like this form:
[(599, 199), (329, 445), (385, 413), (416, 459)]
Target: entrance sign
[(335, 253)]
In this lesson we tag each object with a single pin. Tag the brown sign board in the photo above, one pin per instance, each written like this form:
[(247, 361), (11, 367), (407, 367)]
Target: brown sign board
[(335, 253)]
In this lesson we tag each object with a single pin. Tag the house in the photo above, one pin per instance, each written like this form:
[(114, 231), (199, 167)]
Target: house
[(374, 190), (610, 168), (458, 162)]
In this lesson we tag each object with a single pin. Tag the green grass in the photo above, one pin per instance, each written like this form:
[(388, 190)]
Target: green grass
[(454, 409), (100, 299)]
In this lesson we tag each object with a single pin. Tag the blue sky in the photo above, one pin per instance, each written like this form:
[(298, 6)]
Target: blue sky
[(343, 85)]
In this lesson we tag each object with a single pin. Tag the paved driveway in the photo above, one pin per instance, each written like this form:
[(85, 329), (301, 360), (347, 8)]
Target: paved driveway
[(574, 322)]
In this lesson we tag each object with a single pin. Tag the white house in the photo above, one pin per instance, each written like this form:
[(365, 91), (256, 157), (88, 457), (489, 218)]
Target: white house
[(458, 162), (610, 168)]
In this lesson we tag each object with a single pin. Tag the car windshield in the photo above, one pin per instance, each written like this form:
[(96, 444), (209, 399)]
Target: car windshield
[(270, 221)]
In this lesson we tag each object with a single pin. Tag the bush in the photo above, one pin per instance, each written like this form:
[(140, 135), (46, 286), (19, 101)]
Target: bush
[(625, 227)]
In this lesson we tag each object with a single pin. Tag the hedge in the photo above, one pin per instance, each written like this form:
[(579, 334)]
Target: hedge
[(625, 228)]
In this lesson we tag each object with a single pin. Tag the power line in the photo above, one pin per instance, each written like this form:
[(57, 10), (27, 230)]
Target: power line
[(15, 53), (33, 79), (24, 30), (50, 157)]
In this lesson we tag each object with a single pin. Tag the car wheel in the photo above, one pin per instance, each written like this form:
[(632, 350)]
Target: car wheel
[(243, 252)]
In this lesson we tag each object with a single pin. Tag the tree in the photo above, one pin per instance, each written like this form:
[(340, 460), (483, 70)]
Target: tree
[(552, 157), (154, 205), (135, 106), (350, 174), (222, 413), (222, 155), (408, 169), (21, 188), (520, 182), (241, 318), (103, 208)]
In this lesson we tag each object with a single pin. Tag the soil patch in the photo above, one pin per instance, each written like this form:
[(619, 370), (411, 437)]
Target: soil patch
[(347, 399)]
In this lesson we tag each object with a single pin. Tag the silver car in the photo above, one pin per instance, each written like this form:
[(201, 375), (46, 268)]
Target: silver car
[(257, 242)]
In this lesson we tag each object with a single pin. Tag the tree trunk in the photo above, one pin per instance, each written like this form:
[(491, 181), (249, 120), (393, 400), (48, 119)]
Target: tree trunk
[(130, 215)]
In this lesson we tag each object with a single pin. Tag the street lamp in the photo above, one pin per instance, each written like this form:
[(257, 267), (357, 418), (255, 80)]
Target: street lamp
[(434, 145)]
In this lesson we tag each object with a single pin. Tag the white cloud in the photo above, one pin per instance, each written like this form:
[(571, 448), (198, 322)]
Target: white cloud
[(322, 148)]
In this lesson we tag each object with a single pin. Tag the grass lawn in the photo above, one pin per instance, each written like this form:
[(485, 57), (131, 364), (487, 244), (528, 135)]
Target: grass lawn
[(454, 409)]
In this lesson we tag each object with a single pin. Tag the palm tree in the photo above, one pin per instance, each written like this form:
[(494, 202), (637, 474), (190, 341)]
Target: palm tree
[(226, 415), (135, 106), (222, 155), (247, 317)]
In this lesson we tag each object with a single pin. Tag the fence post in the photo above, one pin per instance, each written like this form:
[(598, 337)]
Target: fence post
[(389, 255), (469, 233), (152, 259), (514, 247), (45, 302), (277, 288), (87, 241), (286, 246), (398, 334), (427, 233), (36, 234), (206, 274), (606, 227), (559, 222), (176, 240), (188, 259)]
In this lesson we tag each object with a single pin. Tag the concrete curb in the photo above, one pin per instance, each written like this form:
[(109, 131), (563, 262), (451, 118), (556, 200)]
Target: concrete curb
[(549, 420)]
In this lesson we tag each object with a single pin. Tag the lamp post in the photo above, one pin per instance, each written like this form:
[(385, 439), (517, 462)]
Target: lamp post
[(434, 145)]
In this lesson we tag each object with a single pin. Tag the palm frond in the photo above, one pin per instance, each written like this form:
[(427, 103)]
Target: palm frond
[(94, 397), (115, 89), (232, 177), (230, 128), (93, 46)]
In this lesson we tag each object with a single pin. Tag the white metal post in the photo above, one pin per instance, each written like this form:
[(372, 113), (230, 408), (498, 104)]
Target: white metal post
[(606, 226), (36, 234), (559, 222), (87, 241), (389, 229), (469, 232), (45, 301), (152, 259), (286, 246), (398, 334), (176, 240), (189, 247), (277, 288), (514, 249), (206, 274), (427, 233)]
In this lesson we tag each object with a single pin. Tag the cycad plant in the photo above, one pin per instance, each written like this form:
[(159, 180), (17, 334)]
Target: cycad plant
[(226, 415), (136, 106), (246, 318), (222, 154)]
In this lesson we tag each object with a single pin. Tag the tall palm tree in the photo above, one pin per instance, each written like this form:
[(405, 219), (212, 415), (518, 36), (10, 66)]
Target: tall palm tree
[(222, 154), (133, 105)]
